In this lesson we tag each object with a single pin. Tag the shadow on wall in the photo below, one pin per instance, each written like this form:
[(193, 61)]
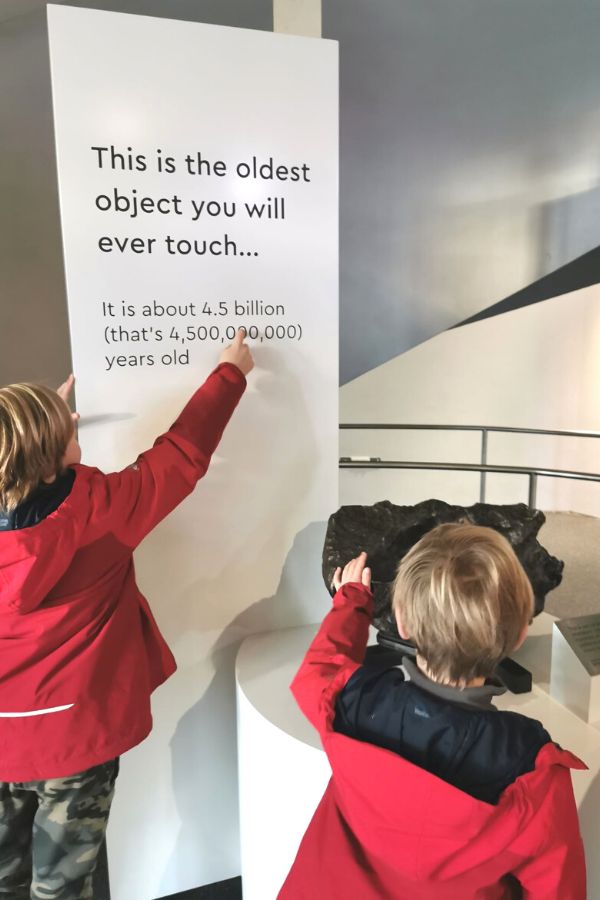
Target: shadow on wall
[(211, 736), (244, 513)]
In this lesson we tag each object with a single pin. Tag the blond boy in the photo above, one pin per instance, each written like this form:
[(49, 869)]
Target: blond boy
[(435, 793), (80, 652)]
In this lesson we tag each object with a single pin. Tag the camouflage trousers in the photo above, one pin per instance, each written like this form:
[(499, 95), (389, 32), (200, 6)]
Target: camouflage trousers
[(51, 832)]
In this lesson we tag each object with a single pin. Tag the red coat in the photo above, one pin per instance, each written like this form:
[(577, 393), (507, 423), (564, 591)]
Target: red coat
[(80, 652), (386, 829)]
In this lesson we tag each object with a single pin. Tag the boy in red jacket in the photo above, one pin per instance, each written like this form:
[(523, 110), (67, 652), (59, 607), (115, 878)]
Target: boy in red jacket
[(80, 652), (435, 793)]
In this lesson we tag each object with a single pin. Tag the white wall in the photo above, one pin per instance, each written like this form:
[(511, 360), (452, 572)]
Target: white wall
[(234, 558), (538, 367)]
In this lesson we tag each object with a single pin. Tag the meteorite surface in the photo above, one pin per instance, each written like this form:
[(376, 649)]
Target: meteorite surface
[(386, 532)]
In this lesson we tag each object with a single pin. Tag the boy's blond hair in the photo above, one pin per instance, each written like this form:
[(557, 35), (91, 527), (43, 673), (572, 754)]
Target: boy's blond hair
[(463, 597), (35, 428)]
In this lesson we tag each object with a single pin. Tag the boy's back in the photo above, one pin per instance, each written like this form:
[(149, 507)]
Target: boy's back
[(456, 734), (81, 652), (77, 669)]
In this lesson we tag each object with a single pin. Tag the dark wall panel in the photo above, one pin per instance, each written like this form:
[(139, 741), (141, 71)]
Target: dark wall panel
[(469, 159)]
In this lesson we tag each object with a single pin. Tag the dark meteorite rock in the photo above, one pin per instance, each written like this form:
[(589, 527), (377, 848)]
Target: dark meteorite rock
[(386, 532)]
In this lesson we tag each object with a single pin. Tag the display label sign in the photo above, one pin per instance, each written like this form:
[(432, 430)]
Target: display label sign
[(583, 636)]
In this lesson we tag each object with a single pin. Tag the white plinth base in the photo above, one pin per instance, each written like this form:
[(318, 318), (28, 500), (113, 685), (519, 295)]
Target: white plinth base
[(282, 768), (283, 772)]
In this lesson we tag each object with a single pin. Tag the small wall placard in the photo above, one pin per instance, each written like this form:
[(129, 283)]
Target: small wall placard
[(575, 667)]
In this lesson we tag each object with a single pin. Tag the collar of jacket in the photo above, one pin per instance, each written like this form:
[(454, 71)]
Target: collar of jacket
[(471, 697)]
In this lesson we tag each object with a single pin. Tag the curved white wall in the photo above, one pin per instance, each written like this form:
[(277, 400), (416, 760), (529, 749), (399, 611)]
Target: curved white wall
[(537, 367)]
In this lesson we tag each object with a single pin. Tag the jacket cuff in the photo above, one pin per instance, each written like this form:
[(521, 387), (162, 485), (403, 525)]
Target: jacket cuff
[(354, 594), (231, 373)]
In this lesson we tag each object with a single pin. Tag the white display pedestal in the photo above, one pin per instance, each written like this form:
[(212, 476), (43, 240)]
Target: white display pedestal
[(283, 770)]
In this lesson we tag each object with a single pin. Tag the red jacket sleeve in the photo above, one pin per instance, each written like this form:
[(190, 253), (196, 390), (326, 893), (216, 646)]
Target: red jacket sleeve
[(556, 869), (334, 655), (132, 502)]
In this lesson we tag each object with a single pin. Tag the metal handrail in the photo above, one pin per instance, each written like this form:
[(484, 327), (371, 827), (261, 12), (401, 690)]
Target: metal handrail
[(483, 468), (503, 428)]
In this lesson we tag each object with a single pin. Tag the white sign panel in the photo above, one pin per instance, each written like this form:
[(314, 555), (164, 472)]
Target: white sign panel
[(197, 171)]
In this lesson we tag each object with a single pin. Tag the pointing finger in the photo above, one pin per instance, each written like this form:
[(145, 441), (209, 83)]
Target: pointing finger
[(240, 337), (66, 387)]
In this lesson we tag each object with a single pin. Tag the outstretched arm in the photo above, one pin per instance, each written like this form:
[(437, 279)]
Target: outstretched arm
[(136, 499), (339, 647)]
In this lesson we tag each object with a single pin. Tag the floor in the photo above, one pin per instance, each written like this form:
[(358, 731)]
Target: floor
[(576, 540), (223, 890)]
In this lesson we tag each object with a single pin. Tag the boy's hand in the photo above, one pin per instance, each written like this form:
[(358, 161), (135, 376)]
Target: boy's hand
[(238, 353), (64, 390), (354, 572)]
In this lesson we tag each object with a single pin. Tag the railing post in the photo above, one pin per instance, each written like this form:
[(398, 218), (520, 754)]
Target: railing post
[(484, 440), (532, 490)]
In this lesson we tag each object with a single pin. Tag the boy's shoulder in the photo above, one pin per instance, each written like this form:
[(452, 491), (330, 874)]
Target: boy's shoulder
[(40, 504), (399, 685), (471, 745)]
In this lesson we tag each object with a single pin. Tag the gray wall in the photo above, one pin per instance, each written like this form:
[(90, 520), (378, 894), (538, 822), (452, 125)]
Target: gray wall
[(470, 163), (33, 318), (33, 315)]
